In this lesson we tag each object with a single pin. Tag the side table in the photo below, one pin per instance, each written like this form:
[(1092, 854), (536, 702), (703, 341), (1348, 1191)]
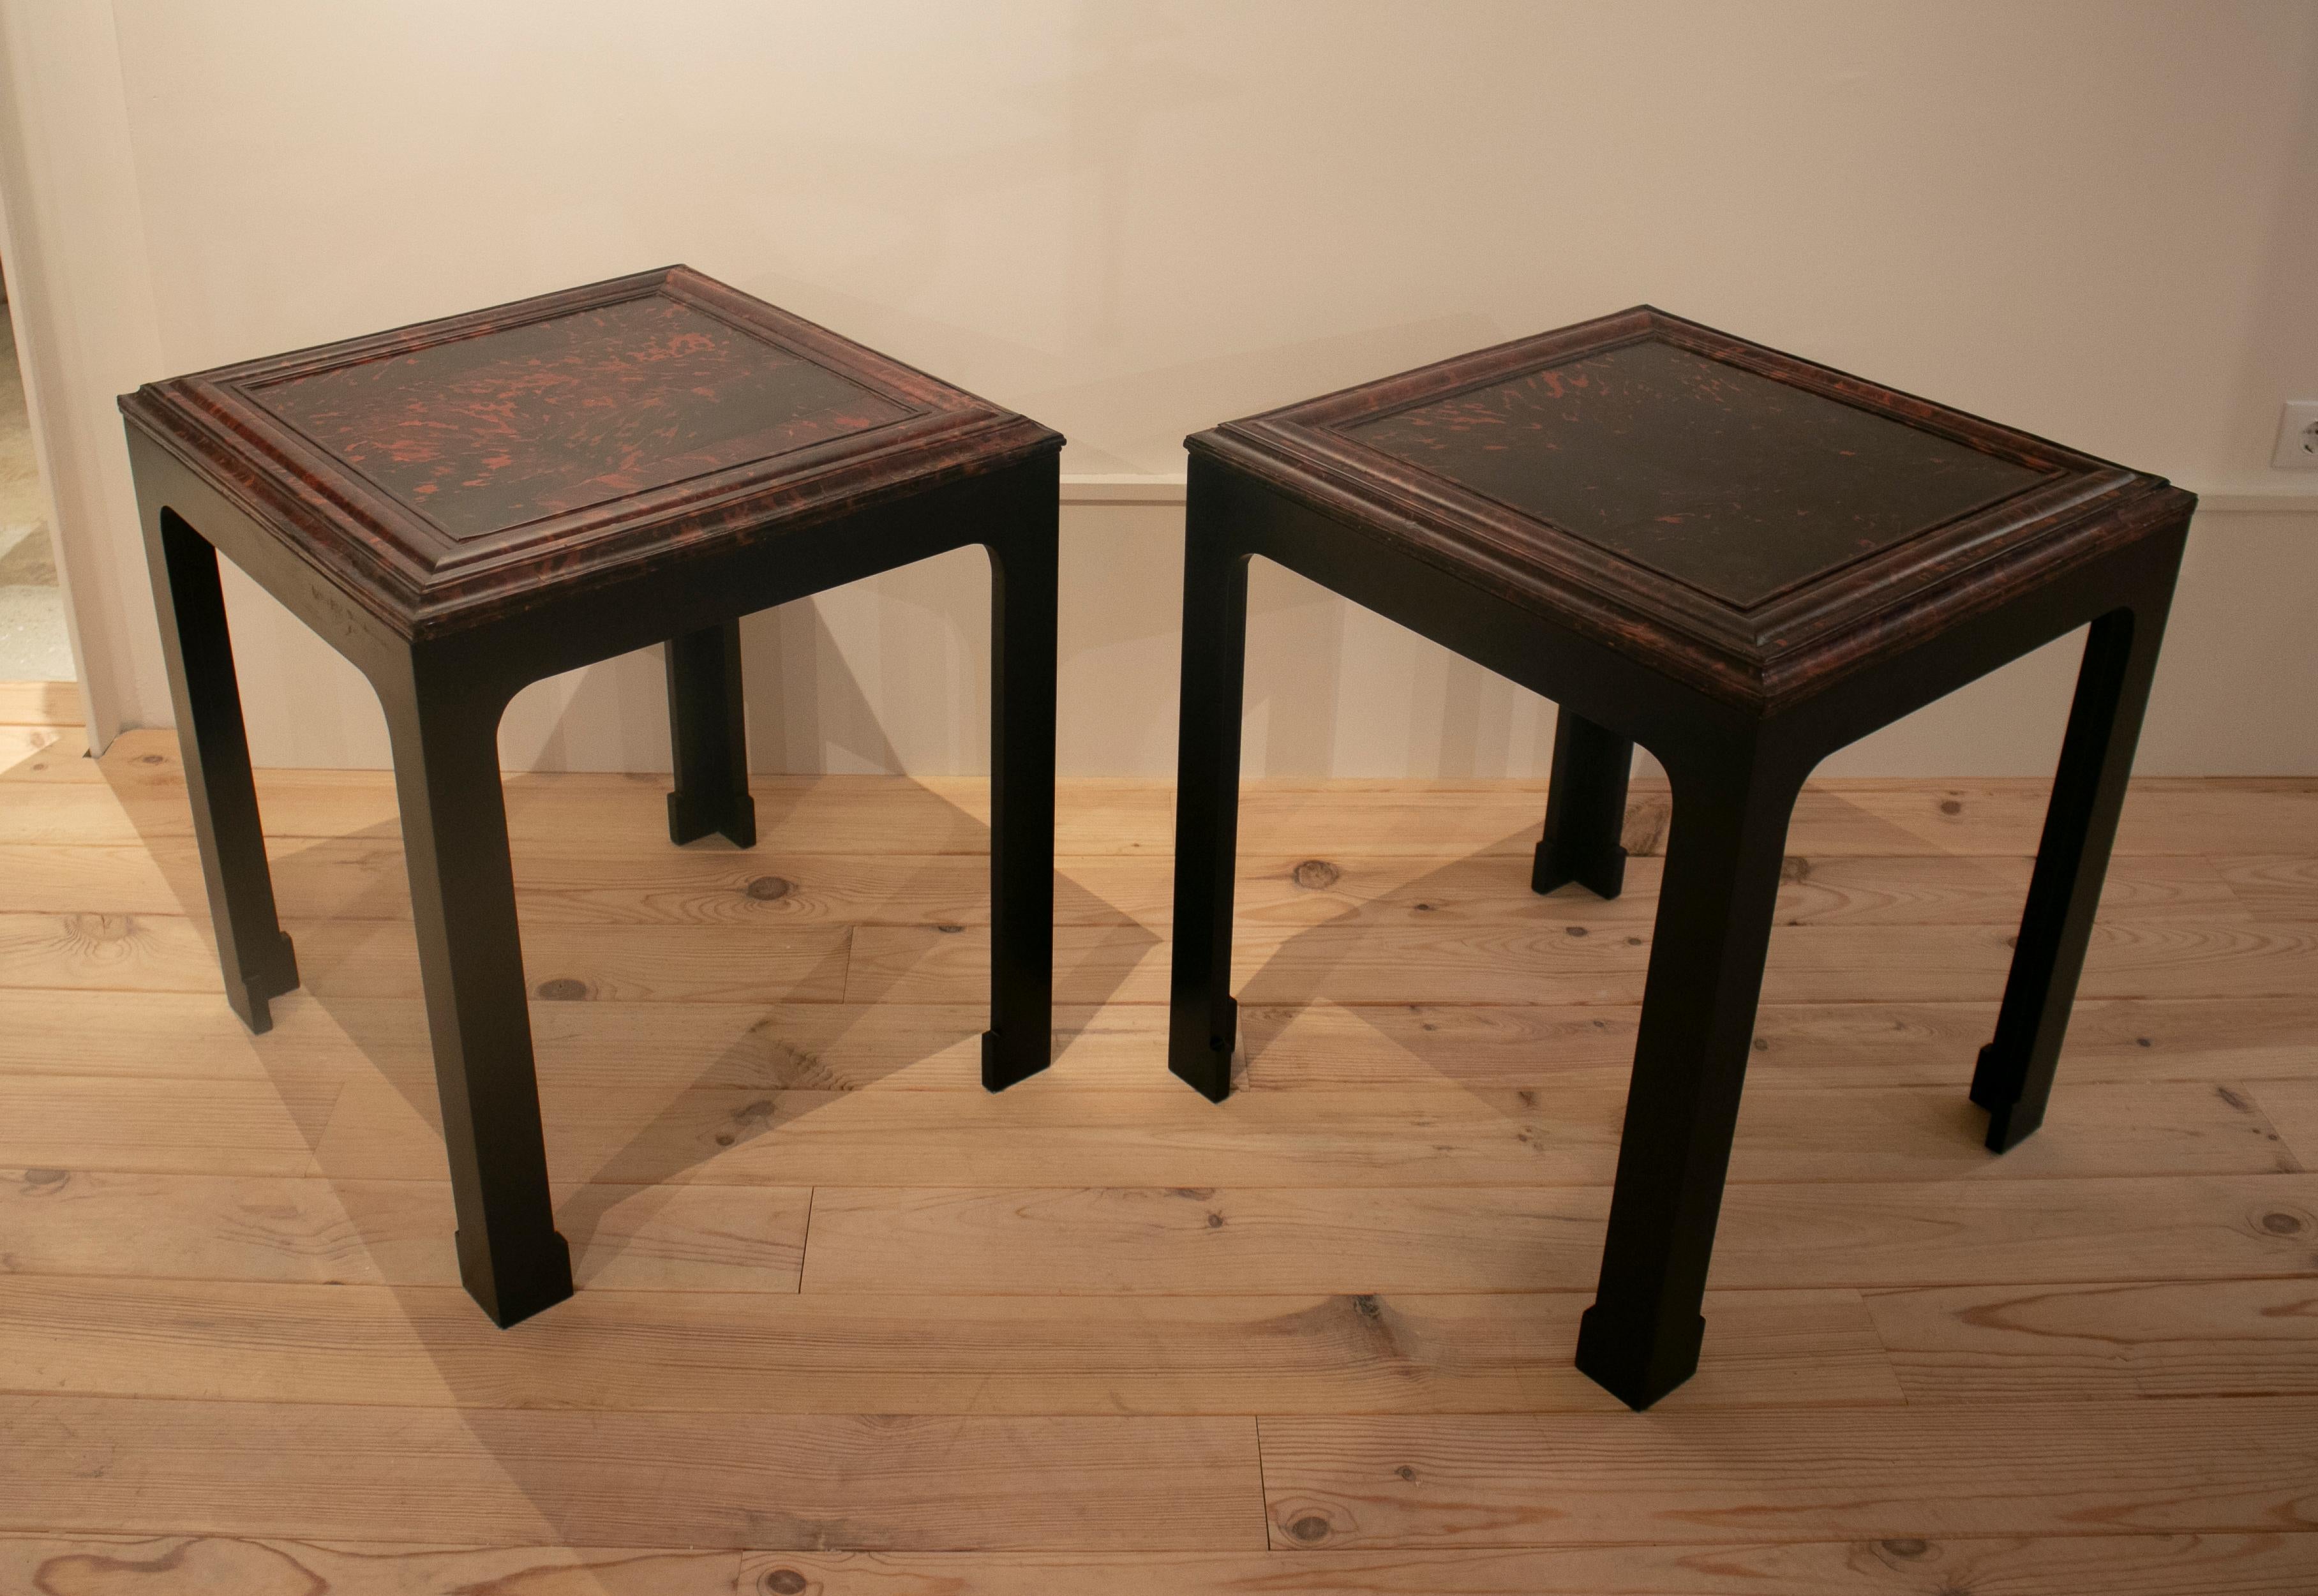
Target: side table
[(1742, 561), (467, 506)]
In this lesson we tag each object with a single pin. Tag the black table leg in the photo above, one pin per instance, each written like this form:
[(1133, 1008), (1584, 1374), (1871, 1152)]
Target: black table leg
[(1023, 579), (708, 737), (1642, 1336), (1202, 1019), (1585, 810), (455, 839), (2014, 1074), (257, 961)]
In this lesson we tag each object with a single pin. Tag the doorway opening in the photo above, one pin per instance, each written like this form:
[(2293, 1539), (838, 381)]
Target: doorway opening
[(34, 645)]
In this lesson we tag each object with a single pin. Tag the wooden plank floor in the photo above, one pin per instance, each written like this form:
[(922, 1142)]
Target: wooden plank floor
[(847, 1325)]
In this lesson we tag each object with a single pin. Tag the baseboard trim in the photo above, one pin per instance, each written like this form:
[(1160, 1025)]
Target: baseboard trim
[(2258, 504), (1167, 488), (1125, 489)]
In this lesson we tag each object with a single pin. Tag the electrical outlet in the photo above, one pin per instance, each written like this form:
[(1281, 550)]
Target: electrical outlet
[(2298, 437)]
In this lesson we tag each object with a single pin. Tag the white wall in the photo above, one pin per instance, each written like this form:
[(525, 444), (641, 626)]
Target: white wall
[(1131, 220)]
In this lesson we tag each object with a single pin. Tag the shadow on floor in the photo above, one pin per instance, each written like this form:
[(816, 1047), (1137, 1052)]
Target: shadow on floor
[(783, 1057)]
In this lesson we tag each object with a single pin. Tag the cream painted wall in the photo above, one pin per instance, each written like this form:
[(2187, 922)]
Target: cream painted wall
[(1131, 220)]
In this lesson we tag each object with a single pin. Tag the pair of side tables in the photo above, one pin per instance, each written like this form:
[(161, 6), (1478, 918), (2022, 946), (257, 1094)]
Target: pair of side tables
[(1737, 558)]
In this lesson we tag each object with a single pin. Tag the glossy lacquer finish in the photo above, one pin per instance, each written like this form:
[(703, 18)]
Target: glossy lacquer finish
[(464, 506), (482, 435), (441, 473), (1695, 469), (1742, 560)]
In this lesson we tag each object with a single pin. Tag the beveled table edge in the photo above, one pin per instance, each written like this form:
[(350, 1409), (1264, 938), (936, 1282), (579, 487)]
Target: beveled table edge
[(1782, 647), (346, 528)]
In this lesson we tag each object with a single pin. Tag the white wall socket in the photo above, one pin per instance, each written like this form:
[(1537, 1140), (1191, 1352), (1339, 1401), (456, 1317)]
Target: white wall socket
[(2297, 436)]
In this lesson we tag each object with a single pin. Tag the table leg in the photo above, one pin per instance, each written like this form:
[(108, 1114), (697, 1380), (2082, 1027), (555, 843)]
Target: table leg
[(455, 841), (1585, 810), (708, 737), (1641, 1338), (259, 962), (1202, 1019), (1023, 579), (2014, 1074)]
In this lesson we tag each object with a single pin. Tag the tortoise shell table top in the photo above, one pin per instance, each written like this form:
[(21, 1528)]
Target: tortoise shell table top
[(1744, 518), (442, 471)]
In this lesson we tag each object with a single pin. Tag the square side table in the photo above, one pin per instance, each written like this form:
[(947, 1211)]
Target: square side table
[(464, 506), (1742, 561)]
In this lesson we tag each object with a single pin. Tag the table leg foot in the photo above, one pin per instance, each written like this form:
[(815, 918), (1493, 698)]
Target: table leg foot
[(690, 818), (708, 739), (1585, 810), (1005, 1063), (2010, 1122), (252, 996), (1201, 1055), (512, 1289), (1603, 874), (1638, 1365)]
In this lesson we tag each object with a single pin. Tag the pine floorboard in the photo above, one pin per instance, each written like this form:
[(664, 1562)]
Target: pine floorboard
[(2112, 1564), (847, 1325)]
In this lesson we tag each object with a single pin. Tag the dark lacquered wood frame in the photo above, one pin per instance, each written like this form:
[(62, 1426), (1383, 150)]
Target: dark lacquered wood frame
[(446, 640), (1738, 706)]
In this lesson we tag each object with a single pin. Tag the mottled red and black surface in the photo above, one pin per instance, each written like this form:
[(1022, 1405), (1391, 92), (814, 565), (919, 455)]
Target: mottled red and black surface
[(1745, 520), (485, 433), (456, 470), (1737, 485)]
